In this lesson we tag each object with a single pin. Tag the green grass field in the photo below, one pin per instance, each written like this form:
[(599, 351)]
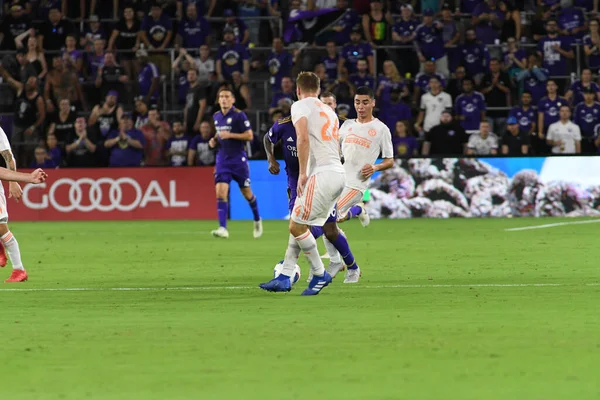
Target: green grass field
[(446, 310)]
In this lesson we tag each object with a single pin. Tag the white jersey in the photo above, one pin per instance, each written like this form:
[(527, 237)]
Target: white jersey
[(362, 144), (323, 134), (568, 134), (4, 145), (433, 107)]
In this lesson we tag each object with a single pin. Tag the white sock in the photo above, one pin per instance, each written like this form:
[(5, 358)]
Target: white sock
[(291, 257), (308, 244), (334, 255), (12, 249)]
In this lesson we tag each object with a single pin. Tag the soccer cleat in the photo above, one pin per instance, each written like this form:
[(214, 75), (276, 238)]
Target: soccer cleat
[(353, 275), (258, 231), (18, 275), (335, 268), (221, 233), (3, 258), (317, 284), (363, 217), (282, 283)]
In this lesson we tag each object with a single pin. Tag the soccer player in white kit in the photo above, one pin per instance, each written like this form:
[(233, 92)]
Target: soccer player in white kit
[(9, 242), (363, 139), (321, 180)]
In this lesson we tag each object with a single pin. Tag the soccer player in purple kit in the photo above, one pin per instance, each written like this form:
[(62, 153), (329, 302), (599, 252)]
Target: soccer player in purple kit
[(233, 130)]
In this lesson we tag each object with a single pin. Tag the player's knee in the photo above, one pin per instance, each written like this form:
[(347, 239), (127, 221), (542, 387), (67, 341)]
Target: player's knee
[(297, 229), (331, 231)]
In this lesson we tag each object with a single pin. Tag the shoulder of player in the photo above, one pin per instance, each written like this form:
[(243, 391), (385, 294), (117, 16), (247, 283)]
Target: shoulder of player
[(284, 120), (342, 118)]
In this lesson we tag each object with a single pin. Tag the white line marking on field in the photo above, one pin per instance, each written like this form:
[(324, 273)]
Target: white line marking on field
[(527, 228), (208, 288)]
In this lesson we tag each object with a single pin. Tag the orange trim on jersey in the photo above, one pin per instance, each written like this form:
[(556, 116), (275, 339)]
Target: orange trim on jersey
[(346, 199), (310, 191)]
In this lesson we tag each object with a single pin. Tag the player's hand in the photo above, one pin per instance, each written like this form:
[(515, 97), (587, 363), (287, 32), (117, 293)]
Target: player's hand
[(274, 167), (212, 143), (38, 176), (368, 170), (15, 191), (302, 179)]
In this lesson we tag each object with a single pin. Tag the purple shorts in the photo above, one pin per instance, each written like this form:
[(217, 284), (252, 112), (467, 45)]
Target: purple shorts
[(240, 174)]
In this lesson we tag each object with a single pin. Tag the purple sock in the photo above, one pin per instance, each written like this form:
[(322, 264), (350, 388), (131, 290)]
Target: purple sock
[(222, 210), (355, 211), (254, 207), (341, 244), (316, 231)]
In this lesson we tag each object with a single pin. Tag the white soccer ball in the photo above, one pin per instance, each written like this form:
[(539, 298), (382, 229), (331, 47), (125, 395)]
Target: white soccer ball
[(279, 267)]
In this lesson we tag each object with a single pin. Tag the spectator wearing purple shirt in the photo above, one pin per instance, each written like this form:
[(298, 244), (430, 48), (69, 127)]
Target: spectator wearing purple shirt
[(525, 114), (42, 160), (555, 50), (430, 44), (402, 35), (474, 56), (423, 78), (232, 57), (591, 46), (279, 63), (395, 111), (343, 26), (404, 146), (194, 30), (156, 33), (488, 20), (239, 28), (362, 77), (126, 144), (284, 97), (149, 78), (450, 35), (469, 107), (354, 51), (331, 61), (548, 113), (587, 116), (73, 57), (93, 31), (96, 59), (388, 81), (533, 79), (177, 146), (54, 150), (572, 21), (199, 151), (575, 93), (515, 59)]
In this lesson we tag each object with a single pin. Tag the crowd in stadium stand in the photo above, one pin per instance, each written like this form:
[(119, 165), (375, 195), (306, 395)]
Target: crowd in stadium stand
[(84, 80)]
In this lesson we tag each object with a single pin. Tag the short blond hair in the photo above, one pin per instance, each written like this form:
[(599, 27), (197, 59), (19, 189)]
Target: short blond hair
[(308, 82)]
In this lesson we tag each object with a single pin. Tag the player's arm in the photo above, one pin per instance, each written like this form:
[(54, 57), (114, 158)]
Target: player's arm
[(37, 176), (269, 149), (540, 125), (303, 147), (387, 153)]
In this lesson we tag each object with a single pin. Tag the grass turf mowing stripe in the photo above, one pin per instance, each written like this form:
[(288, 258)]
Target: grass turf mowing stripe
[(527, 228)]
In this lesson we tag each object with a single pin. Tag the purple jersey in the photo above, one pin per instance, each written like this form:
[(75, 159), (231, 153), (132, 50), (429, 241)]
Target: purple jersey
[(232, 153), (429, 40), (147, 74), (554, 62), (519, 55), (551, 109), (588, 118), (204, 154), (156, 31), (283, 131), (470, 106), (178, 144), (279, 65), (422, 81), (571, 18), (526, 118), (391, 113), (468, 6), (351, 53), (594, 58), (536, 87), (232, 58), (47, 164), (387, 87), (282, 97), (357, 80), (577, 89), (475, 58), (331, 66), (404, 146), (486, 31), (239, 28), (194, 33), (122, 154), (95, 62), (348, 20), (405, 29), (56, 155)]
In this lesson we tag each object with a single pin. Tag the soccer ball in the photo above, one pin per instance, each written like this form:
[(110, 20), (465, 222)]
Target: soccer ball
[(279, 267)]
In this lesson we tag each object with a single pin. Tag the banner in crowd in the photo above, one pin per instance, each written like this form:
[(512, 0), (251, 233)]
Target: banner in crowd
[(457, 187), (118, 194)]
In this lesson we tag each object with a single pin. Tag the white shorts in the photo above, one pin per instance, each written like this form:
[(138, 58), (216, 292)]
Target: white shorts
[(3, 210), (348, 199), (318, 198)]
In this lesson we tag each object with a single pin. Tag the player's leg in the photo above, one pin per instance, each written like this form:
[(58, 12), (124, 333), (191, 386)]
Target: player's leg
[(222, 191), (340, 243), (350, 206), (11, 245), (243, 180)]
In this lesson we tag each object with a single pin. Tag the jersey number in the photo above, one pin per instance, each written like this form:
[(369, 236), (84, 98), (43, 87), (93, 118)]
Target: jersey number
[(324, 135)]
